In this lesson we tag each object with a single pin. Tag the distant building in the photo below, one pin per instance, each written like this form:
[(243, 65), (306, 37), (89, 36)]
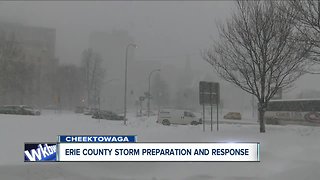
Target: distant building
[(38, 45), (37, 41)]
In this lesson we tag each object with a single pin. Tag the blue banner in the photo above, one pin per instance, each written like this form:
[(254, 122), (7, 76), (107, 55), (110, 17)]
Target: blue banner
[(39, 152), (97, 139)]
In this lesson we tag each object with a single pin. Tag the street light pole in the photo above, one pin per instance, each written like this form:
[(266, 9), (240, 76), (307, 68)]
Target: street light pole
[(149, 90), (125, 83)]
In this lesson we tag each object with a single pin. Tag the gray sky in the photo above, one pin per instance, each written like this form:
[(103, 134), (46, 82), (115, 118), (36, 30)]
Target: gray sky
[(160, 28)]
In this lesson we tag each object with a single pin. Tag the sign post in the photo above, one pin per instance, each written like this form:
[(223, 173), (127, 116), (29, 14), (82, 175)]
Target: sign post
[(217, 116), (211, 107), (209, 94), (203, 117)]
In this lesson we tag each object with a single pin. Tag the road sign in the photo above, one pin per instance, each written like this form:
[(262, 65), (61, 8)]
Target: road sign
[(209, 93)]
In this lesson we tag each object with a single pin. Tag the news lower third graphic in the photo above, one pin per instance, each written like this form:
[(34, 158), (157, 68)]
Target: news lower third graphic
[(125, 148), (40, 152), (159, 152)]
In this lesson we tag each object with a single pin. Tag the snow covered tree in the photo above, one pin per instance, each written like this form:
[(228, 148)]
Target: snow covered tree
[(307, 16), (69, 85), (258, 51)]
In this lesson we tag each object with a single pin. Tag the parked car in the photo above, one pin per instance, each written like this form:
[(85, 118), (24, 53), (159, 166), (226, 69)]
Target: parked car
[(8, 110), (19, 109), (108, 115), (172, 116), (90, 111), (79, 109), (151, 113), (232, 115), (31, 110)]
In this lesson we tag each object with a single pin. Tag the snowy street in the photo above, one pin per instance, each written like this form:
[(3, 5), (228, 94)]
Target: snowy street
[(287, 152)]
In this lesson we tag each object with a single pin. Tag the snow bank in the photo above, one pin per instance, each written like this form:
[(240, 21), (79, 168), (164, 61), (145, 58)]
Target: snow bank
[(287, 152)]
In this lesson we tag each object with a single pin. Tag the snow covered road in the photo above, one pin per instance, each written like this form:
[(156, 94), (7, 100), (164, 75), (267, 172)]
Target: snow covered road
[(287, 152)]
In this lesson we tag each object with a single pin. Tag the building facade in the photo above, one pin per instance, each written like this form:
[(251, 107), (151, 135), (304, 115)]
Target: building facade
[(38, 48)]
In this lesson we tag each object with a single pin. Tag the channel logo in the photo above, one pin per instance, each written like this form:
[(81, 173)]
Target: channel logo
[(40, 152)]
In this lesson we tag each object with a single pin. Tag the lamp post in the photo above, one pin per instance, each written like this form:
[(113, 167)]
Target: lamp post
[(149, 90), (125, 83)]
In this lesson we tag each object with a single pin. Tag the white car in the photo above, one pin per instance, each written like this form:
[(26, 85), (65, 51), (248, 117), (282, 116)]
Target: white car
[(30, 110), (173, 116), (19, 109)]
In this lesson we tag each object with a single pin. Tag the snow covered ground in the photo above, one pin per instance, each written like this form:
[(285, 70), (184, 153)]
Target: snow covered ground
[(287, 152)]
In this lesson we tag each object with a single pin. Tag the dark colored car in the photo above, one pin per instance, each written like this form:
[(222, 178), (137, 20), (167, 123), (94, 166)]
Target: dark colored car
[(90, 111), (80, 109), (109, 115), (19, 109), (151, 113)]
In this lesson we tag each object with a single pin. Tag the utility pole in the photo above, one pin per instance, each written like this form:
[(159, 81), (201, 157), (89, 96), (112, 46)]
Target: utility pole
[(149, 95), (125, 83)]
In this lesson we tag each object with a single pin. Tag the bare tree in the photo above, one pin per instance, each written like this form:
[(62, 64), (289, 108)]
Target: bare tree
[(22, 80), (258, 51), (94, 74), (160, 91), (16, 74), (70, 85), (307, 17)]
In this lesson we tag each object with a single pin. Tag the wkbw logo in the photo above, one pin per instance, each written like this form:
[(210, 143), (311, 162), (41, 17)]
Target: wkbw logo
[(40, 152)]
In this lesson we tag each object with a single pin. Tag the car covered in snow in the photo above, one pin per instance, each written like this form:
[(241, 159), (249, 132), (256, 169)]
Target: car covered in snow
[(108, 115), (90, 111), (19, 109), (80, 109), (233, 115)]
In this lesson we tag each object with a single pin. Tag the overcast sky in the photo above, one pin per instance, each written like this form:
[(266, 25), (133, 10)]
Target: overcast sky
[(160, 28)]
